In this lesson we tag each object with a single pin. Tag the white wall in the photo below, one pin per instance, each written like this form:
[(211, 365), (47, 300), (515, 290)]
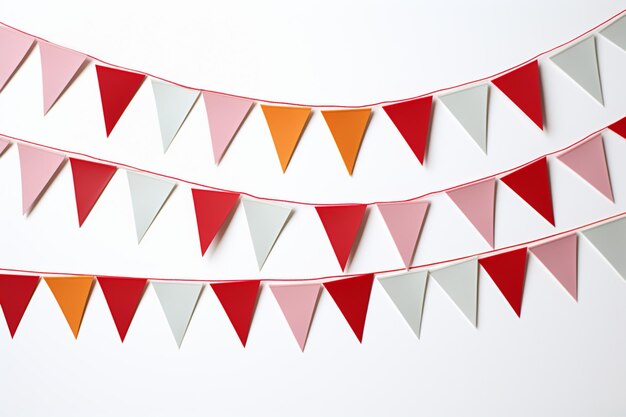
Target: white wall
[(561, 358)]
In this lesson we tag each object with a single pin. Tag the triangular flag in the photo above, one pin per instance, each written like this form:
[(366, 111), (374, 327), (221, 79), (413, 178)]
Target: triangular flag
[(59, 66), (90, 180), (178, 301), (532, 184), (4, 144), (412, 119), (460, 282), (469, 107), (71, 294), (478, 203), (37, 167), (610, 240), (298, 302), (286, 125), (404, 221), (508, 271), (173, 105), (117, 89), (122, 296), (212, 209), (225, 114), (589, 161), (265, 222), (15, 294), (580, 62), (407, 292), (616, 32), (523, 87), (147, 194), (619, 127), (352, 296), (560, 256), (239, 301), (14, 47), (342, 224), (348, 128)]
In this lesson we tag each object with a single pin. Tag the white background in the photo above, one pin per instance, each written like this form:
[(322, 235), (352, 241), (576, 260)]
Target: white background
[(562, 358)]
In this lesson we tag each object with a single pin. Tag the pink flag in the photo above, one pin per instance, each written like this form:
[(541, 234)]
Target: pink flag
[(404, 221), (37, 167), (59, 66), (477, 202), (14, 47), (298, 304), (4, 144), (560, 257)]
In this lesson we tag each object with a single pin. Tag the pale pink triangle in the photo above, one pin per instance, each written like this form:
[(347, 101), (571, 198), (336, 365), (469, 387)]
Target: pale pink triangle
[(589, 161), (4, 144), (404, 221), (13, 48), (37, 167), (225, 114), (298, 305), (560, 257), (477, 202), (58, 67)]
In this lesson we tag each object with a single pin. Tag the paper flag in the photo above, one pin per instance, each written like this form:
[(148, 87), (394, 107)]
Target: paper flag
[(348, 128), (286, 125), (508, 271), (15, 294), (265, 222), (298, 303), (532, 184), (407, 292), (122, 296), (580, 62), (173, 105), (560, 257), (14, 47), (616, 32), (352, 296), (589, 161), (178, 301), (523, 87), (619, 127), (4, 144), (477, 201), (59, 66), (117, 89), (412, 119), (225, 114), (610, 240), (404, 221), (239, 301), (90, 180), (212, 209), (469, 107), (147, 194), (37, 167), (342, 224), (460, 282), (72, 294)]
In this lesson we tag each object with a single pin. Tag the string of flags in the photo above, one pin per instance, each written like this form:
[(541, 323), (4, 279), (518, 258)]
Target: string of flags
[(226, 113)]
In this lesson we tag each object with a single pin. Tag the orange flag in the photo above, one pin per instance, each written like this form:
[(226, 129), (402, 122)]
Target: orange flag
[(286, 125), (72, 294), (348, 128)]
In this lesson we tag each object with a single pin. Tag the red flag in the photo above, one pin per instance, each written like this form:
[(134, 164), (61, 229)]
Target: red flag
[(15, 294), (412, 119), (532, 183), (619, 127), (122, 296), (342, 225), (239, 301), (212, 209), (508, 270), (117, 89), (352, 296), (523, 87), (90, 180)]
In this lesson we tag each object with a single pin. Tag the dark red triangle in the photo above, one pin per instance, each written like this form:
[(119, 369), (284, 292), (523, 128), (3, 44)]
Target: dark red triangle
[(239, 301), (212, 209), (342, 225), (508, 270), (532, 184), (619, 127), (352, 296), (122, 296), (412, 119), (90, 180), (117, 89), (15, 294), (523, 87)]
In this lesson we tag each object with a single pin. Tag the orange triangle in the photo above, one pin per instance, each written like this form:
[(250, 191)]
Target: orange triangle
[(348, 128), (286, 125), (72, 294)]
